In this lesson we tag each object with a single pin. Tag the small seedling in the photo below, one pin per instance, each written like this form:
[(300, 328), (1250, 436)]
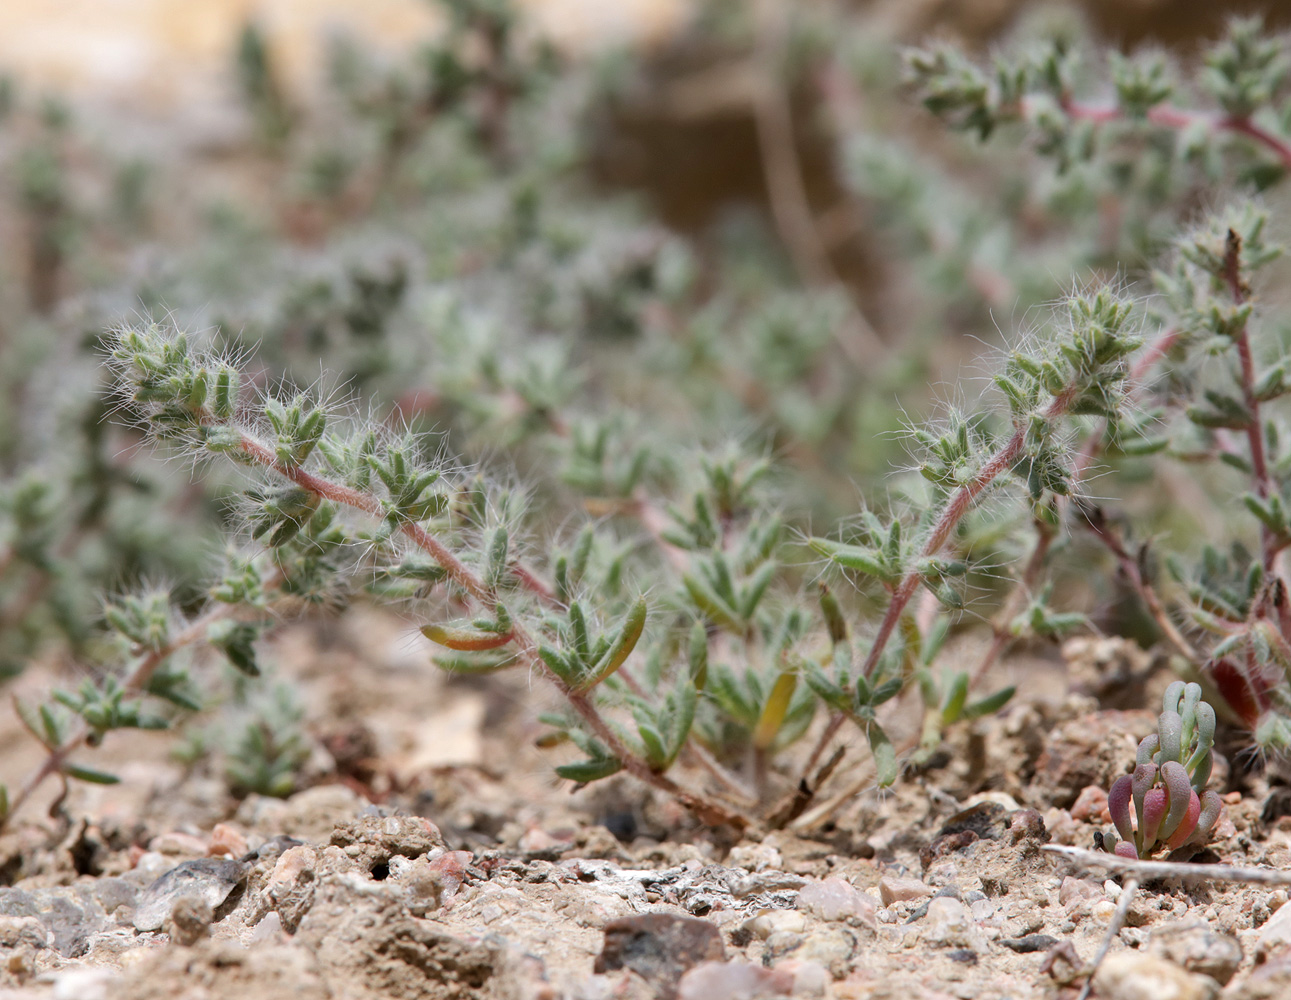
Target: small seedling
[(1171, 804)]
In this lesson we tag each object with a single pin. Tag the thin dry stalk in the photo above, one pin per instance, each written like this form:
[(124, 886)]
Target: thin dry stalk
[(1147, 870), (791, 209)]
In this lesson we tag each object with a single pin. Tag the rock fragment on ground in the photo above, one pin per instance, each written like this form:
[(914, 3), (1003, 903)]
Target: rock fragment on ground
[(660, 948), (207, 879), (1133, 975)]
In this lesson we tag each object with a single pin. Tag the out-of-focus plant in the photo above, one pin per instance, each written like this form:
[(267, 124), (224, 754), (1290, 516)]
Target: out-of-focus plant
[(659, 577)]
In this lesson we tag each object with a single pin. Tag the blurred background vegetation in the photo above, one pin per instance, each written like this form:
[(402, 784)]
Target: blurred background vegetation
[(586, 246)]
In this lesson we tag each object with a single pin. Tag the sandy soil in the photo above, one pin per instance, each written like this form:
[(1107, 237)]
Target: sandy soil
[(436, 856)]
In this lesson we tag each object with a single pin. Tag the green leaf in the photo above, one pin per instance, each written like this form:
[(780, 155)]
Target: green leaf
[(687, 698), (887, 691), (656, 753), (236, 640), (465, 639), (698, 655), (990, 704), (586, 771), (829, 692), (885, 755), (615, 656), (853, 557), (756, 588), (707, 601), (559, 665), (835, 623), (953, 704), (476, 663), (497, 566), (90, 775)]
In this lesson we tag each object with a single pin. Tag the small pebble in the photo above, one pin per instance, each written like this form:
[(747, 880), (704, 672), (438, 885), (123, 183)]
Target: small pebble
[(768, 922), (900, 890), (837, 899), (83, 983), (189, 921), (1198, 947), (268, 929), (949, 923), (1030, 943), (226, 840), (1133, 975), (730, 981)]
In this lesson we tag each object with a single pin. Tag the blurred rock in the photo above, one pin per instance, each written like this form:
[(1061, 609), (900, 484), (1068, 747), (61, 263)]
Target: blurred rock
[(1198, 947), (206, 879), (660, 948), (1132, 975), (900, 890), (837, 899)]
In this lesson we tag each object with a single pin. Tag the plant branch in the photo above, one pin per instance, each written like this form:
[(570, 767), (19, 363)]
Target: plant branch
[(1260, 478), (135, 681), (956, 507), (1089, 449), (1133, 570), (1115, 864), (1178, 119), (526, 647)]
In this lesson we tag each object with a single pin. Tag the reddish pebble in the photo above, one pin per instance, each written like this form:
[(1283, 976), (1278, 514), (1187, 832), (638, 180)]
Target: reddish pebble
[(226, 840), (451, 866), (1091, 805)]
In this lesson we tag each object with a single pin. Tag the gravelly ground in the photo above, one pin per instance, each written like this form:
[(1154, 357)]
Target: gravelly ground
[(476, 874)]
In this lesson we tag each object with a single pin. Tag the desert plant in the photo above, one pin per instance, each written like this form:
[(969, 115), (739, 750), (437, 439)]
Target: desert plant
[(660, 580), (1172, 806)]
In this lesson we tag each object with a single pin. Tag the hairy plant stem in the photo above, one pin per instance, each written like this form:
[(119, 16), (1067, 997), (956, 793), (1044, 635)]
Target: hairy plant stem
[(1179, 119), (956, 507), (133, 683), (1089, 449), (526, 648), (1133, 571), (1260, 478)]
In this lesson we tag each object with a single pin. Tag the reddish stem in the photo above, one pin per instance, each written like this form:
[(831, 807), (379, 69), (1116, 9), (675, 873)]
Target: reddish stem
[(1179, 118), (956, 507), (134, 682), (709, 812), (1255, 428)]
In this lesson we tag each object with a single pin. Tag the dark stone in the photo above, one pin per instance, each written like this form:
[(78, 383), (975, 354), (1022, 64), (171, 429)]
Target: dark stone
[(271, 848), (1277, 805), (659, 947), (1030, 943), (965, 956), (986, 819), (945, 844)]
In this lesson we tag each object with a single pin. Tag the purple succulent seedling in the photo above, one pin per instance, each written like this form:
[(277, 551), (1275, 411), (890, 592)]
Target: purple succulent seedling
[(1173, 766)]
